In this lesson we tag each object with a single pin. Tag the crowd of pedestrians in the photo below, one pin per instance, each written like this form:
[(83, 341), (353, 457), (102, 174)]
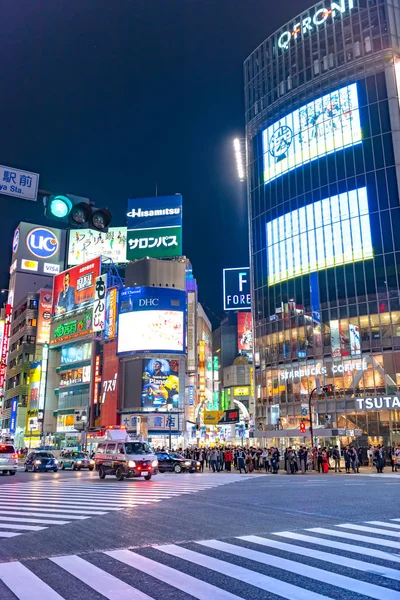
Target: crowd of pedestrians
[(321, 460)]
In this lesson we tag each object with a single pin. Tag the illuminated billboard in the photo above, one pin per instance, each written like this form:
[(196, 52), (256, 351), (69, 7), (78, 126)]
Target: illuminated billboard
[(151, 320), (334, 231), (325, 125), (86, 244), (160, 385), (44, 317), (75, 288), (245, 334)]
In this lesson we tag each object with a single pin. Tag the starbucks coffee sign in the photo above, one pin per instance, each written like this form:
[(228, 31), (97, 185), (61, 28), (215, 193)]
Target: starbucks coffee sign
[(378, 403)]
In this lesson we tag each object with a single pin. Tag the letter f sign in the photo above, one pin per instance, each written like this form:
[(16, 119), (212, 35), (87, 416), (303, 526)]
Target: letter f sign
[(242, 280)]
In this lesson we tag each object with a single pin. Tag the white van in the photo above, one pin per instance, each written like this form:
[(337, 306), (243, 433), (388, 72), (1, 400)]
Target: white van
[(126, 457), (8, 459)]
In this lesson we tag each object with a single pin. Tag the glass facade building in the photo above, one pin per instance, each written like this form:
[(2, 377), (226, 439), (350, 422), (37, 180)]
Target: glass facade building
[(323, 144)]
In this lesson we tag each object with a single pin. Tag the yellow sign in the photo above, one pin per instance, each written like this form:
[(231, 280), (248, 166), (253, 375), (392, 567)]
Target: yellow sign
[(213, 417), (252, 389), (241, 391)]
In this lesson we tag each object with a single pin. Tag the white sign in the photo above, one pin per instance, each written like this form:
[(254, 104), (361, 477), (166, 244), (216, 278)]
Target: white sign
[(191, 332), (86, 244), (22, 184), (311, 23), (346, 367), (378, 403), (99, 305), (51, 269)]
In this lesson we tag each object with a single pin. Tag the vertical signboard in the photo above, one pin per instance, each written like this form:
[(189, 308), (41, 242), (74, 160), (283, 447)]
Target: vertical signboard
[(44, 317), (191, 332), (99, 304), (32, 423), (245, 335), (111, 314), (355, 341), (4, 348), (13, 417), (109, 385), (202, 368), (97, 379)]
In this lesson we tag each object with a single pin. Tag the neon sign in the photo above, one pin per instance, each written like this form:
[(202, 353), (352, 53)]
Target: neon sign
[(310, 24)]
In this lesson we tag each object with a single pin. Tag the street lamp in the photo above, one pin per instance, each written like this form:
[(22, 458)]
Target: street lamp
[(240, 160), (169, 408)]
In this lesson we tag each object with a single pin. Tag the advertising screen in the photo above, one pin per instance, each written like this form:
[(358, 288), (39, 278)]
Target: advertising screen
[(44, 317), (245, 335), (76, 353), (151, 320), (325, 125), (154, 227), (334, 231), (75, 288), (160, 385), (87, 244)]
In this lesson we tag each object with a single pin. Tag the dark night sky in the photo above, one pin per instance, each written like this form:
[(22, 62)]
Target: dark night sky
[(104, 98)]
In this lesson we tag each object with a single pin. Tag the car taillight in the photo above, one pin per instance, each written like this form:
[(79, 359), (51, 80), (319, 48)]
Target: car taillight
[(14, 455)]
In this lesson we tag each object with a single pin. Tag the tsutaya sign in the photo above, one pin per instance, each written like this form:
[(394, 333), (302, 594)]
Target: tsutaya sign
[(346, 367), (311, 23), (378, 403)]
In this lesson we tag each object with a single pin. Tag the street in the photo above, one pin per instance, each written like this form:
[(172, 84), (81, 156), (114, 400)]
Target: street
[(209, 536)]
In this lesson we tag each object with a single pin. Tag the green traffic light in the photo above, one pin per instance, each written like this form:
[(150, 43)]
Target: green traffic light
[(60, 206)]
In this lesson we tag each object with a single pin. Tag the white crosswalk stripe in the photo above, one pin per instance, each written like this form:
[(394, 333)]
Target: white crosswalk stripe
[(294, 569), (36, 505)]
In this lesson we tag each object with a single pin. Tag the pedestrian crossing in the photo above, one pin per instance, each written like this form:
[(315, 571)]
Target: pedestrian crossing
[(37, 505), (307, 564)]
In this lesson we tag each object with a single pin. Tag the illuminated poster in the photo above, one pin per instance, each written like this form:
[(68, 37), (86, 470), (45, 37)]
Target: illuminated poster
[(325, 125), (86, 244), (32, 425), (333, 231), (339, 341), (44, 317), (160, 385), (75, 288), (110, 331), (245, 334), (355, 342)]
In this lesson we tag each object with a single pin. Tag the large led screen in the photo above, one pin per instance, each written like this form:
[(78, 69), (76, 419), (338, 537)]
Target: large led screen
[(151, 320), (334, 231), (320, 127)]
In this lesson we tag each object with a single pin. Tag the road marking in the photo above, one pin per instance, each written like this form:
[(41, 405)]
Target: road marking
[(291, 535), (353, 536), (25, 584), (8, 534), (186, 583), (264, 582), (22, 509), (40, 521), (335, 559), (383, 524), (102, 582), (43, 514), (22, 527), (369, 529)]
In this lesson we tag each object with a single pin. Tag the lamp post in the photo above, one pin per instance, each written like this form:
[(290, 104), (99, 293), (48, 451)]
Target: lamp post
[(169, 408)]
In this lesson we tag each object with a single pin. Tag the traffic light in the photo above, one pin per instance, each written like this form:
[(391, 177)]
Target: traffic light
[(76, 211), (302, 427), (328, 389)]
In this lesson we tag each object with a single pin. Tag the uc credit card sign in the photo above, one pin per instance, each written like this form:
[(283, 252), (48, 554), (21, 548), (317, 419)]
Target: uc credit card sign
[(237, 289), (38, 248)]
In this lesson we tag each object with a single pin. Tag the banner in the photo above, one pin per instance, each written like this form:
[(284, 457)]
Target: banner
[(219, 417), (191, 332), (32, 425), (111, 314), (355, 342), (4, 348), (160, 385), (75, 288), (316, 309), (245, 334), (44, 317), (87, 244), (99, 304)]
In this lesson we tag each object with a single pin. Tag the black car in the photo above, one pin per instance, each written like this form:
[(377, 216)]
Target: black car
[(195, 465), (169, 462), (41, 461)]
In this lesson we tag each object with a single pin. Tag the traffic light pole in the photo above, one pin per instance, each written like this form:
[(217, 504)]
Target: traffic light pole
[(310, 413)]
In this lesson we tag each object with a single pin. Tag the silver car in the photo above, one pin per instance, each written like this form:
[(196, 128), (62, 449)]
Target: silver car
[(8, 459)]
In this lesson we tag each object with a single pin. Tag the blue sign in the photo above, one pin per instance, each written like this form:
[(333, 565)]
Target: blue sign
[(13, 418), (42, 243), (151, 298), (237, 289), (191, 395), (150, 213), (15, 241)]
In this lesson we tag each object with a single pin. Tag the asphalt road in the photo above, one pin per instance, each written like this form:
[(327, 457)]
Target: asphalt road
[(165, 520)]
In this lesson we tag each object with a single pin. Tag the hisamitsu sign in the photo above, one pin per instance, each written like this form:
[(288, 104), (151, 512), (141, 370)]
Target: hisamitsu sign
[(237, 289), (378, 403), (22, 184)]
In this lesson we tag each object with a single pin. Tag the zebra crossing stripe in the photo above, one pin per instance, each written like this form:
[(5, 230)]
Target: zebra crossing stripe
[(181, 581), (383, 524), (100, 581), (25, 584), (354, 536), (264, 582), (335, 559), (369, 529), (339, 546), (320, 575)]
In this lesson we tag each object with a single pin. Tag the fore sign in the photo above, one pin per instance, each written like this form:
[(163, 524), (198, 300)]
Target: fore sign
[(311, 23)]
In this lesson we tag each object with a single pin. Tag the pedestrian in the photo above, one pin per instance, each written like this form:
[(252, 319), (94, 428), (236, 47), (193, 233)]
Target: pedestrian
[(201, 460), (310, 460), (241, 460), (265, 459), (370, 455), (214, 460), (275, 456), (347, 459), (392, 457), (354, 459), (228, 457), (303, 459), (360, 458), (319, 460), (336, 458), (250, 463), (380, 459), (325, 461)]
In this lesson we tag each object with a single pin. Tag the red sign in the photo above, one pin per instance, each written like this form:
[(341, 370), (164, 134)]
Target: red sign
[(4, 348), (75, 287), (302, 427), (44, 317), (109, 387), (245, 338), (97, 379)]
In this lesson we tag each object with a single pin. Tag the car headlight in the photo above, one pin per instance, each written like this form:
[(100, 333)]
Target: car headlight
[(154, 463), (38, 462), (56, 462), (198, 464), (131, 463), (92, 462), (188, 463), (78, 462)]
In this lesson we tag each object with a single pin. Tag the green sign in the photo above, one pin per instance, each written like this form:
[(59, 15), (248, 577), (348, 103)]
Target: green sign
[(72, 328), (161, 242)]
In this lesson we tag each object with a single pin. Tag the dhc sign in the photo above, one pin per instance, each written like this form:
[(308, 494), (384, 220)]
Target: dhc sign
[(310, 24)]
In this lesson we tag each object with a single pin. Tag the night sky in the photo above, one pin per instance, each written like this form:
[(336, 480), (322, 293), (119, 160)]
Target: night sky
[(109, 98)]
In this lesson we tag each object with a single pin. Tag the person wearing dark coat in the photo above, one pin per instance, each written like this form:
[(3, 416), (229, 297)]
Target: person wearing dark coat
[(380, 459), (275, 460)]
